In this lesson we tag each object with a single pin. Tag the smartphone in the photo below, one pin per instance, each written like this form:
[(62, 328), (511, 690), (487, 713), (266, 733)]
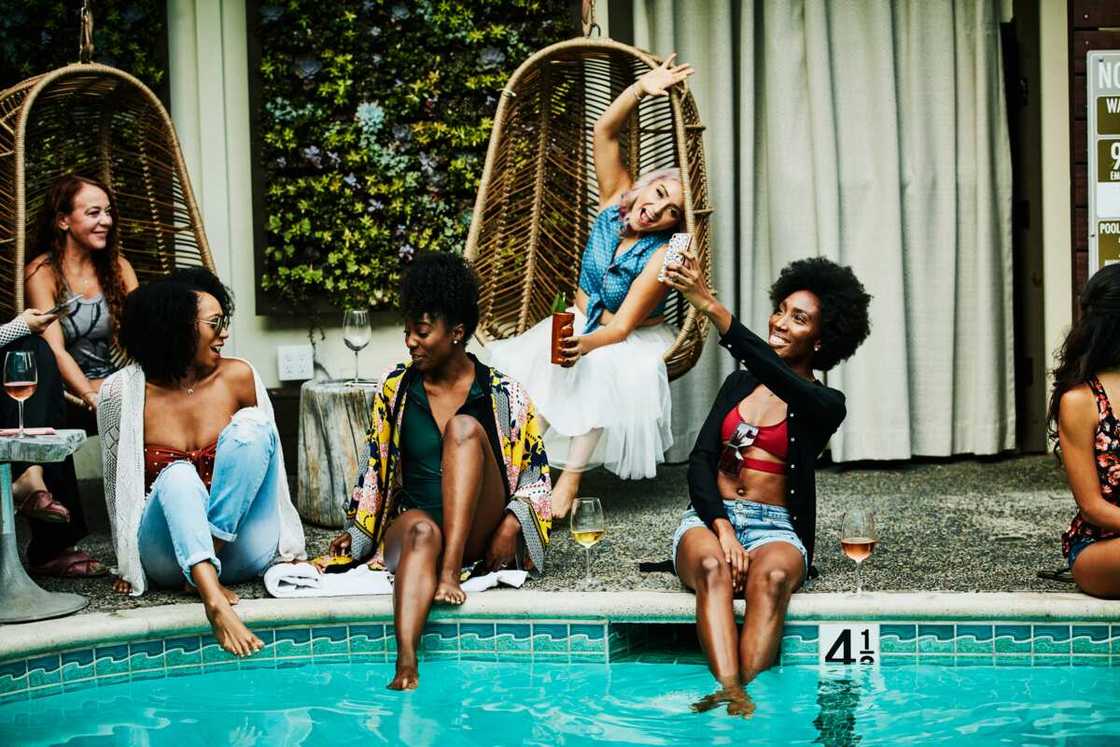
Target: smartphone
[(678, 245), (63, 304)]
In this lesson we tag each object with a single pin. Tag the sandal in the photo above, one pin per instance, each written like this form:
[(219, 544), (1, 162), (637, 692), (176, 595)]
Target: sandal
[(41, 505), (71, 564)]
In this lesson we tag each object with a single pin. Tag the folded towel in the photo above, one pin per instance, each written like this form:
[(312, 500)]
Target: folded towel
[(305, 580)]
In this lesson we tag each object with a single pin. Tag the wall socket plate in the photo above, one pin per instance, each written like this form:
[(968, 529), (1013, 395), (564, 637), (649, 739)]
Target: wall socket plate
[(295, 362)]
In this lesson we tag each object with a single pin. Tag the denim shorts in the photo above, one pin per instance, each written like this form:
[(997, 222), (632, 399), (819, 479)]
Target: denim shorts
[(1076, 545), (755, 524)]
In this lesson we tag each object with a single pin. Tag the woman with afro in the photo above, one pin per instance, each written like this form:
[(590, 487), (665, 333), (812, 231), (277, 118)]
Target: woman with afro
[(750, 527), (457, 471)]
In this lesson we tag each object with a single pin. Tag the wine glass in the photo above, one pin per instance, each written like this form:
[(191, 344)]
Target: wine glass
[(858, 538), (356, 334), (20, 379), (588, 526)]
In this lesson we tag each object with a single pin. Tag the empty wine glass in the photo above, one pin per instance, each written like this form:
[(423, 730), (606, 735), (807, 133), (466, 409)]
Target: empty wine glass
[(588, 526), (21, 377), (858, 538), (356, 334)]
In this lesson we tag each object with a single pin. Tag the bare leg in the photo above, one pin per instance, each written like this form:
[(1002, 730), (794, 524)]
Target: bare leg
[(1097, 570), (776, 569), (231, 596), (412, 546), (231, 633), (30, 481), (473, 502), (566, 488)]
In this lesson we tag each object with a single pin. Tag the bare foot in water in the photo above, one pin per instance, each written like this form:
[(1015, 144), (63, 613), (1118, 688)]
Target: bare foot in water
[(407, 677), (736, 698), (448, 590), (230, 595), (231, 633)]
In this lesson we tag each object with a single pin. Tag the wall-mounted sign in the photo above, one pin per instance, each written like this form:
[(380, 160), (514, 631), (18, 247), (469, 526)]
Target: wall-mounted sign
[(1103, 70)]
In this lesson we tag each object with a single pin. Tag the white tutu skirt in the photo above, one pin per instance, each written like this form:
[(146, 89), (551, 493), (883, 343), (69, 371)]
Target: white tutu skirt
[(617, 394)]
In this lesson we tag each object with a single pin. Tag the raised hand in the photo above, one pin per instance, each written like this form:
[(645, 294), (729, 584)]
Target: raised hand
[(660, 79)]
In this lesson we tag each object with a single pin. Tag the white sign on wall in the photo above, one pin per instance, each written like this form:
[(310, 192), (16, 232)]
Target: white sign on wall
[(1103, 73), (849, 643)]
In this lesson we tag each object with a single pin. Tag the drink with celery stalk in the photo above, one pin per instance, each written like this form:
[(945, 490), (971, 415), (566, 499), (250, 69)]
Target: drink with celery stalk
[(562, 322)]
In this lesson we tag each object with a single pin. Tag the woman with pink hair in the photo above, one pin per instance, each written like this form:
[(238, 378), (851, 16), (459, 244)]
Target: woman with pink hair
[(608, 402)]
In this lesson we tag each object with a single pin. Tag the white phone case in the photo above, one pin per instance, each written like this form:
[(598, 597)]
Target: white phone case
[(678, 245)]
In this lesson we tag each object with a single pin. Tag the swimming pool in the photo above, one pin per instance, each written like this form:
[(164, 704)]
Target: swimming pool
[(483, 703)]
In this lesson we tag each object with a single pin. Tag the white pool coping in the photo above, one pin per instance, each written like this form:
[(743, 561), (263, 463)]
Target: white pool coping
[(628, 607)]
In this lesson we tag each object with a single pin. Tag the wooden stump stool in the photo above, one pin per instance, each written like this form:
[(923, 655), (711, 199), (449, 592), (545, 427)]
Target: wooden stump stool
[(333, 419)]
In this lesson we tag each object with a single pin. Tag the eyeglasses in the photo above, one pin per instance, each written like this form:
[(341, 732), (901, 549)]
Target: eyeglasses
[(731, 458), (220, 323)]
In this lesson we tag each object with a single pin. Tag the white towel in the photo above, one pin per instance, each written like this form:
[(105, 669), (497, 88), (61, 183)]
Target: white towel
[(305, 580)]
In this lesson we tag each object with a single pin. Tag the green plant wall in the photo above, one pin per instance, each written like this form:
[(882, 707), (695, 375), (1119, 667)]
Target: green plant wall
[(373, 122), (37, 36)]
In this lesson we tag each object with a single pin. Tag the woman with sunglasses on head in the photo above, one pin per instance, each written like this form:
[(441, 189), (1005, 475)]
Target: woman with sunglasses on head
[(194, 476), (750, 527), (608, 402)]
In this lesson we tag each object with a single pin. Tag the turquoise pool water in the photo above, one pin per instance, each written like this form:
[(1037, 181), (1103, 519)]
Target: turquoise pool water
[(487, 703)]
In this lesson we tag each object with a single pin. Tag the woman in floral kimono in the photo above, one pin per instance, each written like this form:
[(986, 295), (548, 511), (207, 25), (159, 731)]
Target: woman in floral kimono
[(457, 470)]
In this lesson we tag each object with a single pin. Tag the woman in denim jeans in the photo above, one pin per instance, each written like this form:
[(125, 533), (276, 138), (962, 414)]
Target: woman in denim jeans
[(194, 474), (749, 529)]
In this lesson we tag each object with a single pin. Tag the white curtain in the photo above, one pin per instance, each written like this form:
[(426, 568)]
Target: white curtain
[(873, 133)]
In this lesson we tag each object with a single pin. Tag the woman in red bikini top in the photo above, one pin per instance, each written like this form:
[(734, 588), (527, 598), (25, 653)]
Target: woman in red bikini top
[(1083, 420)]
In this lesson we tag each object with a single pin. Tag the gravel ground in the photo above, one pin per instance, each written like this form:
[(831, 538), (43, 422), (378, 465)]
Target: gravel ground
[(962, 525)]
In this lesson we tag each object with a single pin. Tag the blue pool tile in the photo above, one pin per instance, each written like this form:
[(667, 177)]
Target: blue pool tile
[(1013, 639), (550, 638), (790, 659), (221, 666), (77, 665), (587, 638), (440, 637), (1090, 639), (898, 660), (146, 655), (935, 639), (514, 637), (1090, 660), (1114, 640), (113, 679), (515, 656), (213, 653), (44, 670), (487, 656), (15, 696), (975, 639), (588, 657), (85, 684), (800, 639), (329, 640), (13, 676), (1012, 660), (1051, 660), (898, 639), (183, 651), (390, 639), (1051, 639), (476, 637), (110, 660), (151, 674), (188, 670), (617, 641), (367, 639), (332, 658), (258, 662), (974, 660), (436, 655), (292, 642), (46, 691), (377, 657)]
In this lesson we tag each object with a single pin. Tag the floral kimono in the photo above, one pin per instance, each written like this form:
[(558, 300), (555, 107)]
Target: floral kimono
[(375, 501)]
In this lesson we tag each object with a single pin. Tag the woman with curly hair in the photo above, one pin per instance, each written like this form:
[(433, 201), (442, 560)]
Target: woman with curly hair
[(194, 475), (1084, 423), (608, 403), (77, 254), (750, 527), (457, 472)]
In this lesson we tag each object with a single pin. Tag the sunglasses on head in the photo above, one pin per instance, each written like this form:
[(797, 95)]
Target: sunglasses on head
[(731, 458)]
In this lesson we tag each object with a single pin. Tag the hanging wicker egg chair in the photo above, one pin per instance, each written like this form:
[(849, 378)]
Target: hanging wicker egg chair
[(97, 121), (538, 195)]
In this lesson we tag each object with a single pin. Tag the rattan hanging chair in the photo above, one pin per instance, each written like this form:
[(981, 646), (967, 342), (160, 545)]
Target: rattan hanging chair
[(97, 121), (538, 196)]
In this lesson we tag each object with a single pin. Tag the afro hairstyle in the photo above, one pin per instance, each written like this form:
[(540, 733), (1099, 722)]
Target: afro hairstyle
[(443, 286)]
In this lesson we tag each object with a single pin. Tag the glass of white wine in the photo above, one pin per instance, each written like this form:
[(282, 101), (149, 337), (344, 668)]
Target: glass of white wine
[(588, 526), (356, 334), (858, 538)]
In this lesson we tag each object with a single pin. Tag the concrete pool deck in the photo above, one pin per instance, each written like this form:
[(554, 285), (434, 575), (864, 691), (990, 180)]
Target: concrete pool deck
[(969, 525)]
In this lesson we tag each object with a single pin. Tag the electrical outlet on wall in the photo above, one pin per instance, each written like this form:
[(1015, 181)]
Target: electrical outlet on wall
[(295, 362)]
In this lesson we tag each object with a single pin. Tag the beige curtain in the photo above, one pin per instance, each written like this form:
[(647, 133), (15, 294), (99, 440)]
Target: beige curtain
[(873, 133)]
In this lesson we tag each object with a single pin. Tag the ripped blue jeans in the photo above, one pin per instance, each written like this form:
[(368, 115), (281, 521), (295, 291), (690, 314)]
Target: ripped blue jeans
[(182, 518)]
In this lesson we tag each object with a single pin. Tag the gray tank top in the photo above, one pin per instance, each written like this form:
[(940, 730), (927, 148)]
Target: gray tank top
[(88, 335)]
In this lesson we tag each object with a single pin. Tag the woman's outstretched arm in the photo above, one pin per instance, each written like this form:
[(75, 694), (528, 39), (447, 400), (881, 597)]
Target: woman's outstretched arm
[(610, 172)]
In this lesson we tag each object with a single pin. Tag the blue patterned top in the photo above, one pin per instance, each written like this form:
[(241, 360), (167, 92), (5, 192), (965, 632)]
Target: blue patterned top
[(605, 279)]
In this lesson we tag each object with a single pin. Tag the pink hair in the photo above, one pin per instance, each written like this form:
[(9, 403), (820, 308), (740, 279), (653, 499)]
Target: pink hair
[(626, 199)]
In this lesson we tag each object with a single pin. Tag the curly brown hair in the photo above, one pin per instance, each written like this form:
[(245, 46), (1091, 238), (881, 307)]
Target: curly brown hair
[(51, 240)]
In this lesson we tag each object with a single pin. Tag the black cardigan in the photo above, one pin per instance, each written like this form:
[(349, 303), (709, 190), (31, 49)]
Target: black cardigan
[(814, 411)]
